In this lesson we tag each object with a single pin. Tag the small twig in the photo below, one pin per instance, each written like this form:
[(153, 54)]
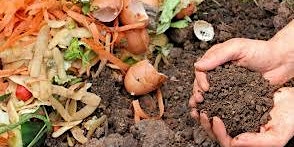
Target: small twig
[(165, 60), (217, 3), (106, 127), (157, 60), (256, 3)]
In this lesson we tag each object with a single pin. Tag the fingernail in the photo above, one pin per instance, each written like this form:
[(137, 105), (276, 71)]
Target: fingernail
[(196, 64)]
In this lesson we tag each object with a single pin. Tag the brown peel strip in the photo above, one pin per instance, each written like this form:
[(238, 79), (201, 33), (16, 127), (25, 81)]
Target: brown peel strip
[(95, 125), (138, 25), (106, 55), (84, 112), (139, 112), (64, 127), (160, 103), (10, 72), (60, 109), (77, 133), (72, 107)]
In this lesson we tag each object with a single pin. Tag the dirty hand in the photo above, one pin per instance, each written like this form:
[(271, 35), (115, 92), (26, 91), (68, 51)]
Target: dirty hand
[(275, 133), (273, 58)]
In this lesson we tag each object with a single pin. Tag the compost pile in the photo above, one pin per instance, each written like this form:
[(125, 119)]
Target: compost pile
[(241, 98), (116, 72)]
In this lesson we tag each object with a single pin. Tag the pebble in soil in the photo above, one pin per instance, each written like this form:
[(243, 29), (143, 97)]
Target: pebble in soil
[(241, 98)]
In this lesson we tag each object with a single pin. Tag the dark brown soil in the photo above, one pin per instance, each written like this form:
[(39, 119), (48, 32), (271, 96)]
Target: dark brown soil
[(232, 18), (241, 98)]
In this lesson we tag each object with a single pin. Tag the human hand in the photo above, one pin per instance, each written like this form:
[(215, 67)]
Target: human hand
[(273, 58), (275, 133)]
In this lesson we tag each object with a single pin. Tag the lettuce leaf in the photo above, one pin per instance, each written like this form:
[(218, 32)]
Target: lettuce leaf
[(167, 14), (86, 8), (70, 80), (170, 9), (30, 135), (4, 96), (179, 24), (29, 130), (24, 118), (75, 52)]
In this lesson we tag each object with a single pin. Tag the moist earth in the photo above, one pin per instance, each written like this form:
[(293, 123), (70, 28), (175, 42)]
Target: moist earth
[(230, 18), (241, 98)]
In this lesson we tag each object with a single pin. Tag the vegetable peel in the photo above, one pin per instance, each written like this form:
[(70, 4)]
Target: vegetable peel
[(139, 113), (107, 10), (143, 78)]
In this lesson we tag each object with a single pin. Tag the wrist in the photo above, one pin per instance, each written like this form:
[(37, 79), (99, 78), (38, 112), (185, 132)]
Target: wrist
[(283, 46)]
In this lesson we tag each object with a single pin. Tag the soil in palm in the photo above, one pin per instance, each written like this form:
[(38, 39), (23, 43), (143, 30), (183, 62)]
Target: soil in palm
[(241, 98)]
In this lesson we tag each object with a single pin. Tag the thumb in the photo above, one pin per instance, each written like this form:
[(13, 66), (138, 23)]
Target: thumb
[(257, 140), (222, 53), (280, 75)]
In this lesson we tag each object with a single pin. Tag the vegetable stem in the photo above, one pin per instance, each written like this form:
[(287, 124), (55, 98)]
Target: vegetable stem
[(38, 136)]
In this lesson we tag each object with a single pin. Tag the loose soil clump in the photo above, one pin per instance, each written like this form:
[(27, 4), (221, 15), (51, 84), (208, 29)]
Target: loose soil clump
[(241, 98)]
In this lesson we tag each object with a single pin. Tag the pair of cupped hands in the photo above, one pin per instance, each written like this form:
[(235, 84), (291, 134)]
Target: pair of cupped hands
[(275, 60)]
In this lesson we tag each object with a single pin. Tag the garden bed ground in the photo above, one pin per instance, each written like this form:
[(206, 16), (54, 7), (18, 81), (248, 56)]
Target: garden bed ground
[(230, 18)]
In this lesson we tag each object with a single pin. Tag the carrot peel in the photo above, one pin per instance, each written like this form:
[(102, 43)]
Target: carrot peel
[(103, 54)]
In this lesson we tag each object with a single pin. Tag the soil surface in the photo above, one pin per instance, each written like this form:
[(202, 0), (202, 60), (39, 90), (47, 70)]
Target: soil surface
[(241, 98), (230, 18)]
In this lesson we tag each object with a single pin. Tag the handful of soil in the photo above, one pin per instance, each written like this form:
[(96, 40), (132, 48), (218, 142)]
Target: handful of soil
[(240, 97)]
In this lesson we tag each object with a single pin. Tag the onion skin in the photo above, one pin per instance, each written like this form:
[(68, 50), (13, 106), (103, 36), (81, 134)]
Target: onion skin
[(143, 78), (191, 8), (107, 10), (138, 41), (133, 12)]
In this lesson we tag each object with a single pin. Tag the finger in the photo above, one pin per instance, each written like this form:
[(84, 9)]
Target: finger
[(204, 121), (220, 54), (219, 130), (194, 114), (212, 49), (197, 96), (256, 140), (201, 78), (194, 99)]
